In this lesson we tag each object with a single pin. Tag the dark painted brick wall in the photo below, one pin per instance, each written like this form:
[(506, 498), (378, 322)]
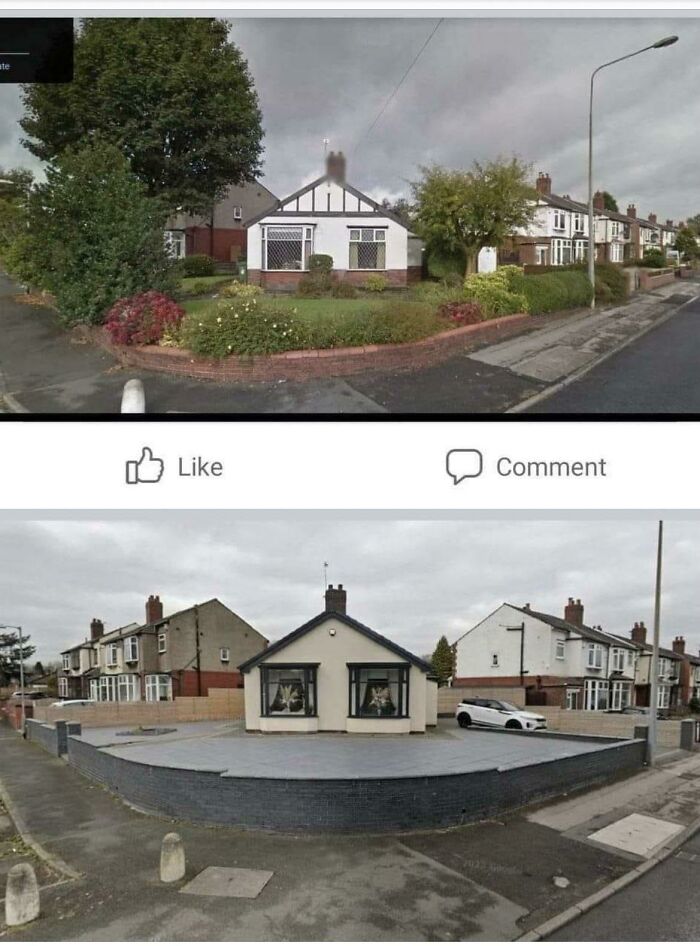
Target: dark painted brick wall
[(45, 736), (344, 805)]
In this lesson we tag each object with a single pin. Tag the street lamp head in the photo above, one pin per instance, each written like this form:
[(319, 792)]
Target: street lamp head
[(666, 41)]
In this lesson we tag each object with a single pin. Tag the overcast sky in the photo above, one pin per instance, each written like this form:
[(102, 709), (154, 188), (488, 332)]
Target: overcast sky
[(409, 580), (483, 87)]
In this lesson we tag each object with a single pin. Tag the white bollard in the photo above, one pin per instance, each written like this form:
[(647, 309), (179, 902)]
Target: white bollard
[(21, 895), (172, 859), (133, 397)]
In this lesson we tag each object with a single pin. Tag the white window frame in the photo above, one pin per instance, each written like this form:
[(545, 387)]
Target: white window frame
[(159, 688), (573, 696), (579, 222), (378, 236), (580, 250), (664, 696), (237, 213), (307, 243), (616, 252), (592, 692), (594, 656), (617, 659), (620, 694), (112, 655), (175, 243), (224, 655), (128, 689), (107, 688), (162, 642), (66, 661), (559, 219), (494, 660), (131, 650), (560, 649), (95, 690), (63, 687), (541, 254), (560, 247)]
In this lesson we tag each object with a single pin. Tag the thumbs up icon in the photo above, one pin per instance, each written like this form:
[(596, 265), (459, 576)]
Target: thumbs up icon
[(148, 469)]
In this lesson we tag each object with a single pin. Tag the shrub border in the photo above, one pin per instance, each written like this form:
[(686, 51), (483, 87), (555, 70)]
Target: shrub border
[(316, 362)]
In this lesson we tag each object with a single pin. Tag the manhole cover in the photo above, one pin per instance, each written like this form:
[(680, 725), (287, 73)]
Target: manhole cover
[(637, 834), (146, 731), (228, 882)]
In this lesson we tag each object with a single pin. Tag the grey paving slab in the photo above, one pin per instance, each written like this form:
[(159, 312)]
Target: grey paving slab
[(228, 882), (115, 735), (338, 756)]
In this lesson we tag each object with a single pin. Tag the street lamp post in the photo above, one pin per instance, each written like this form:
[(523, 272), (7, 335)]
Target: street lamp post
[(16, 627), (660, 44), (654, 668)]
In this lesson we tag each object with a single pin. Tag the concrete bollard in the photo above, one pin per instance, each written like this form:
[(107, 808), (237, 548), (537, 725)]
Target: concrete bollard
[(21, 895), (172, 858), (133, 398)]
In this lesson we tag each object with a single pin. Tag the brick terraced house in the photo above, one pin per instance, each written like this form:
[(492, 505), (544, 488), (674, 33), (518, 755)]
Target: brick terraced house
[(560, 661), (179, 654), (329, 216)]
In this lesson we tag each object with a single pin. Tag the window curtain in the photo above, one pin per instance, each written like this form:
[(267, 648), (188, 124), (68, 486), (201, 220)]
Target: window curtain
[(286, 695), (380, 695)]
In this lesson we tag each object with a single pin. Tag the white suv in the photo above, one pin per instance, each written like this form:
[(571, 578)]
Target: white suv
[(497, 714)]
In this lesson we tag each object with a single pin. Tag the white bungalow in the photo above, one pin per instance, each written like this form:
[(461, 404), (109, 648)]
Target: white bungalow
[(334, 674), (330, 217)]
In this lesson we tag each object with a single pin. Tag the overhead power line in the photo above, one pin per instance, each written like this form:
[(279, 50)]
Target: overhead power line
[(388, 102)]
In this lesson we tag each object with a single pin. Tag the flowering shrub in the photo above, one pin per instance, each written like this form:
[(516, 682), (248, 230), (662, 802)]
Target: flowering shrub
[(240, 290), (143, 319), (461, 313), (494, 292), (375, 282), (242, 326)]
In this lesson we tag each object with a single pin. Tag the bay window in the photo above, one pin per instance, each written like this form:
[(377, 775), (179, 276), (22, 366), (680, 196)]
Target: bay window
[(595, 694), (620, 695), (159, 687), (378, 690), (288, 689), (561, 252), (367, 249), (107, 689), (128, 689), (286, 247)]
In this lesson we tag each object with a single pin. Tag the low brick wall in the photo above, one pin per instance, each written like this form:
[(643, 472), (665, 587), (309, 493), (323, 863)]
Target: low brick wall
[(44, 735), (220, 704), (349, 805), (449, 697), (316, 363), (653, 278)]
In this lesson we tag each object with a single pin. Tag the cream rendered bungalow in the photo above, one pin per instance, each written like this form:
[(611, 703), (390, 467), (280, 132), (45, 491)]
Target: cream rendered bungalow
[(334, 674)]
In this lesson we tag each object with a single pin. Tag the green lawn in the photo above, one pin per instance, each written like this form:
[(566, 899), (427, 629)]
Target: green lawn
[(188, 282), (311, 309)]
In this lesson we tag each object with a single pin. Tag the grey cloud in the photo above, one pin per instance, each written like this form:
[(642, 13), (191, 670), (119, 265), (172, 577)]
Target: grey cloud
[(483, 87), (412, 580)]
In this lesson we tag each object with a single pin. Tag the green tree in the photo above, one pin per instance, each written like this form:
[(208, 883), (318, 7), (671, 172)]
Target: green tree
[(401, 208), (687, 244), (693, 223), (15, 185), (468, 210), (10, 655), (94, 235), (173, 94), (609, 202), (442, 661)]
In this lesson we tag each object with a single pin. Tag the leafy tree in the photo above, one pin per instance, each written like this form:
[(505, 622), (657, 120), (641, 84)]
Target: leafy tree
[(693, 223), (95, 235), (10, 655), (687, 245), (654, 258), (442, 661), (15, 185), (468, 210), (401, 208), (173, 94), (609, 202)]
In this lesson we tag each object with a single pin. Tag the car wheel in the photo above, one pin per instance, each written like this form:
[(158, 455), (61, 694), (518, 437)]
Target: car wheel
[(464, 720), (513, 724)]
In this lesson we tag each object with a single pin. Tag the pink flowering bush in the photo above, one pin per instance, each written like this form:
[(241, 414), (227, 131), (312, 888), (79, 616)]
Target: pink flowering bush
[(461, 313), (143, 319)]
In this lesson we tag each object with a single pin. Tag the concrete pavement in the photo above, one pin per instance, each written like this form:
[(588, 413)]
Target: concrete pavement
[(43, 370)]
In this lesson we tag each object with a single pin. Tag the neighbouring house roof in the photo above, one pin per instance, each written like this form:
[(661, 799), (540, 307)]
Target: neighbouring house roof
[(90, 645), (647, 648), (277, 209), (590, 633), (565, 203), (345, 619)]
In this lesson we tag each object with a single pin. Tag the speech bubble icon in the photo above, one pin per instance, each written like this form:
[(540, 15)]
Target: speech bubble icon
[(464, 464)]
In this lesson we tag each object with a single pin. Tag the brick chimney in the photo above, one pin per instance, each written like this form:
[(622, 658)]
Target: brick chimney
[(669, 223), (154, 609), (599, 200), (639, 633), (335, 166), (336, 599), (97, 629), (543, 184), (678, 645), (652, 218), (573, 612), (632, 211)]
